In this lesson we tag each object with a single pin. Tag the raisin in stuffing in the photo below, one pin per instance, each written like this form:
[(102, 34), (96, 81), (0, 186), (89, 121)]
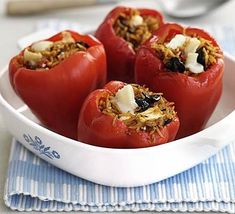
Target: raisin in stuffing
[(175, 65), (201, 57)]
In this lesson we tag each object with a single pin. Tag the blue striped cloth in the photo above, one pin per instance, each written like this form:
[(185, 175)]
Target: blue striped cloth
[(33, 184)]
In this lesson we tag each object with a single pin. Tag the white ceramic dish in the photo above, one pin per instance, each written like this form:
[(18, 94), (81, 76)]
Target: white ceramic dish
[(121, 167)]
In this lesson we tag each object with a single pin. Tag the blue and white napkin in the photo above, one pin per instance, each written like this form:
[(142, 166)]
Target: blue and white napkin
[(33, 184)]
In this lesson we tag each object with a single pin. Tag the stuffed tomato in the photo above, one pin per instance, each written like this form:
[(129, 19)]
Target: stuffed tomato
[(54, 76), (122, 32), (186, 64), (126, 116)]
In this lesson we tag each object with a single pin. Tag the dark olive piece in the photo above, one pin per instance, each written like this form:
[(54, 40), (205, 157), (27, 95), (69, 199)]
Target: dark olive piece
[(175, 65), (152, 99), (201, 57), (142, 104), (134, 43), (166, 122), (123, 21), (83, 44), (147, 101)]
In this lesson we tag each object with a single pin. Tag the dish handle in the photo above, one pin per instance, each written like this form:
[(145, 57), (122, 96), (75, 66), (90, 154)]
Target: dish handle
[(221, 133)]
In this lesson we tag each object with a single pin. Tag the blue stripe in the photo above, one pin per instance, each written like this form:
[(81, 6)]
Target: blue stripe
[(210, 171)]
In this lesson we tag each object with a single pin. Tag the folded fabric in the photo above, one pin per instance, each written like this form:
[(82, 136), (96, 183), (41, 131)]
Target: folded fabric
[(33, 184)]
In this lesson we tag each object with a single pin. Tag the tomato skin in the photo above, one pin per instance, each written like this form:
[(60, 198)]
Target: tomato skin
[(56, 95), (195, 97), (97, 128), (120, 56)]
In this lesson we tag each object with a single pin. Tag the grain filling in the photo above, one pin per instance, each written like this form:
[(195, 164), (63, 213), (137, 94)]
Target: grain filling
[(153, 111), (52, 53), (175, 59), (135, 29)]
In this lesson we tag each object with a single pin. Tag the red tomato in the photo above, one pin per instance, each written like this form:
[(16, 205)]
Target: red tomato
[(55, 96), (97, 128), (195, 97), (120, 55)]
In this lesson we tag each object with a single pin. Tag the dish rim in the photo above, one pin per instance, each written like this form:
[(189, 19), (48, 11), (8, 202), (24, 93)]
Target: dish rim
[(76, 143)]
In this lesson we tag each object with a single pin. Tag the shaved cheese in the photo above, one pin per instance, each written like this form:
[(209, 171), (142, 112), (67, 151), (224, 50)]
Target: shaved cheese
[(192, 64), (151, 114), (136, 20), (31, 56), (67, 37), (125, 99), (177, 41), (41, 46), (192, 45)]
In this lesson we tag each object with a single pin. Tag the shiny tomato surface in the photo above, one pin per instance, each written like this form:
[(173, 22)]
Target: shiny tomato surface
[(120, 55), (55, 96), (97, 128), (195, 97)]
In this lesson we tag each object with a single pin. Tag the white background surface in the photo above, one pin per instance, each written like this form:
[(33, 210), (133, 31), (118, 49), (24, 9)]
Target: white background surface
[(13, 28)]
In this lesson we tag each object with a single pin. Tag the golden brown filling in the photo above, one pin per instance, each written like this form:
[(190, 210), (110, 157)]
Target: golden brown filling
[(175, 59), (46, 54), (135, 29), (152, 113)]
